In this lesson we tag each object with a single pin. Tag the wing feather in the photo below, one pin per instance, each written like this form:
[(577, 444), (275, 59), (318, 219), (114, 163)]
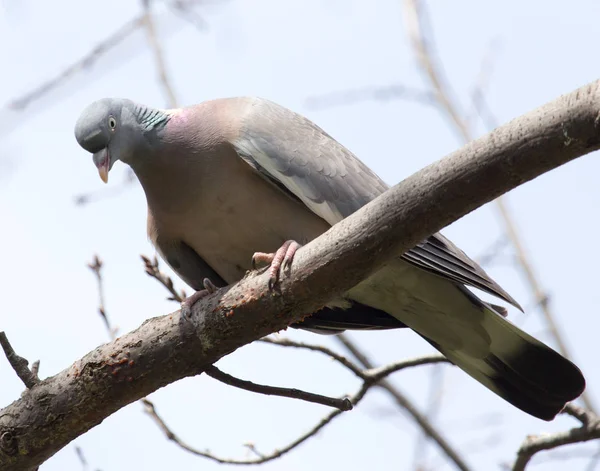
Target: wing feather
[(298, 156)]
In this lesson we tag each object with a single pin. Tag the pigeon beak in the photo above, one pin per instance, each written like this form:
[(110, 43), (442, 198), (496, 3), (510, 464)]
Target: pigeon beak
[(103, 172), (102, 161)]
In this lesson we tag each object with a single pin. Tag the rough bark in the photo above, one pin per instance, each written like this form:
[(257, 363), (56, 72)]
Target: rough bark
[(165, 349)]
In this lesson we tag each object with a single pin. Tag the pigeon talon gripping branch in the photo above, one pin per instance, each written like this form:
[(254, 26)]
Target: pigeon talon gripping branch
[(209, 169)]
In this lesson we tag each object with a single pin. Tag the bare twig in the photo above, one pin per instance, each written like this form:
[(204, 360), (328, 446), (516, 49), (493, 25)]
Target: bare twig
[(158, 55), (371, 378), (584, 416), (83, 63), (317, 348), (112, 191), (252, 448), (425, 55), (183, 10), (341, 404), (433, 70), (593, 464), (96, 267), (19, 364), (478, 103), (434, 402), (374, 375), (404, 403), (369, 374), (35, 368), (589, 430), (350, 97), (492, 252), (81, 457), (152, 269), (262, 458)]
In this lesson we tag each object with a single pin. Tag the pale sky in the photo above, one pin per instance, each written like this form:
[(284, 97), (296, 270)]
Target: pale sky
[(285, 51)]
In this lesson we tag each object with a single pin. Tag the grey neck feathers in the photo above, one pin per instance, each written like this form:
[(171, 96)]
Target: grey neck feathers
[(150, 119)]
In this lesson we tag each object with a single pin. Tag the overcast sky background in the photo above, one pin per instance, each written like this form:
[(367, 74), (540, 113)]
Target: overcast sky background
[(287, 52)]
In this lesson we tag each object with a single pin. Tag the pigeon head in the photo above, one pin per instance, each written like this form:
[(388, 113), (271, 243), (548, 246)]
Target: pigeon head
[(116, 129)]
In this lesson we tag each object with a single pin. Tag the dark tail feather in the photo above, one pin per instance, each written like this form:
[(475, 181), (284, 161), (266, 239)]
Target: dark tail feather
[(541, 390), (518, 368), (523, 371)]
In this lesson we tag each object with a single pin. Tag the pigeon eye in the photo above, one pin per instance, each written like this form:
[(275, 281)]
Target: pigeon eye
[(112, 123)]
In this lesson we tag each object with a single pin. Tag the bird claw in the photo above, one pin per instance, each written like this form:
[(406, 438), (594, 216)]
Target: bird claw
[(261, 258), (279, 261), (188, 303)]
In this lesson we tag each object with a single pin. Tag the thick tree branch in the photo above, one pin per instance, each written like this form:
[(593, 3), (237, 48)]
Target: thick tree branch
[(167, 348)]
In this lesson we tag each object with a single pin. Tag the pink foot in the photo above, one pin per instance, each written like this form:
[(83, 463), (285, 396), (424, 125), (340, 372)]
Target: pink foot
[(278, 261), (186, 305)]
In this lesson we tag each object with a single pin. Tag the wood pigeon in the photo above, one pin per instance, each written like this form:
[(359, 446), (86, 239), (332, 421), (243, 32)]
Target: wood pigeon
[(234, 181)]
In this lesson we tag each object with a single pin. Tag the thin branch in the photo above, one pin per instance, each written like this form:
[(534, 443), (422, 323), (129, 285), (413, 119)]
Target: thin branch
[(262, 458), (159, 59), (478, 103), (590, 430), (152, 268), (81, 64), (293, 393), (81, 457), (371, 378), (493, 251), (425, 55), (566, 455), (375, 375), (593, 464), (19, 364), (584, 416), (35, 368), (404, 403), (317, 348), (425, 52), (168, 348), (353, 96), (183, 10), (434, 402), (109, 192), (371, 375), (113, 41), (96, 267), (252, 448)]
